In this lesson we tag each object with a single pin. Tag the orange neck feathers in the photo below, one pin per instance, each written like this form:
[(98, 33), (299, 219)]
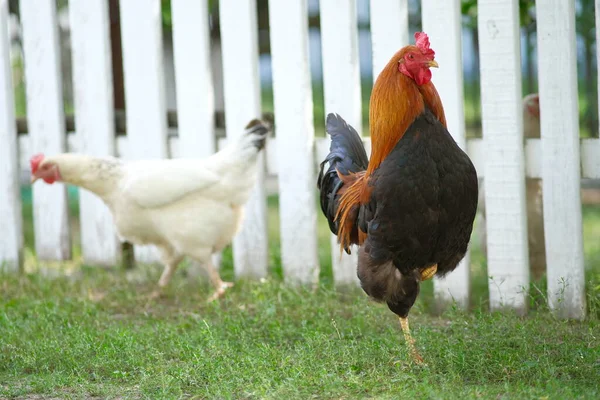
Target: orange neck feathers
[(433, 101), (396, 101)]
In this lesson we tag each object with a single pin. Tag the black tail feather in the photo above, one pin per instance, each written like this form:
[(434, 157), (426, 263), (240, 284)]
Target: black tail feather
[(347, 155)]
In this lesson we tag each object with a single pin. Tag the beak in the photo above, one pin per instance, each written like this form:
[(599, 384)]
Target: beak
[(432, 64), (33, 179)]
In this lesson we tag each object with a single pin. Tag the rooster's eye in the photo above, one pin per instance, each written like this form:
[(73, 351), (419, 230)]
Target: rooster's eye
[(411, 56)]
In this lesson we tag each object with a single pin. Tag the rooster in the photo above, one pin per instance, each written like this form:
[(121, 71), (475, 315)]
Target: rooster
[(190, 207), (410, 208)]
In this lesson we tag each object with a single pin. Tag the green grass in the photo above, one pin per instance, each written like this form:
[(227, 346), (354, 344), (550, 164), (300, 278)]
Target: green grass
[(91, 332), (94, 334)]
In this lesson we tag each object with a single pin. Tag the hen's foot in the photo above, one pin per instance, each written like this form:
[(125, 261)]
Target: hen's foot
[(220, 291), (429, 272), (410, 342)]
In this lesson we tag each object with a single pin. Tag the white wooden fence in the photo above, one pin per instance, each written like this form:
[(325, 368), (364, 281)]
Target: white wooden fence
[(560, 158)]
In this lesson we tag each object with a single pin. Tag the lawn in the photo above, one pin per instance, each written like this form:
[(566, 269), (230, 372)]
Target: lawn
[(90, 332), (96, 335)]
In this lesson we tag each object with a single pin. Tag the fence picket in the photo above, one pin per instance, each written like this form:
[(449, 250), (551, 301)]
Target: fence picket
[(389, 30), (194, 81), (11, 244), (341, 80), (94, 120), (590, 158), (141, 36), (502, 121), (597, 25), (241, 84), (557, 58), (45, 117), (442, 22), (593, 149), (193, 78), (292, 93)]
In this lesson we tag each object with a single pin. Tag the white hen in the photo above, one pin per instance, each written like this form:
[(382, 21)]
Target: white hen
[(184, 207)]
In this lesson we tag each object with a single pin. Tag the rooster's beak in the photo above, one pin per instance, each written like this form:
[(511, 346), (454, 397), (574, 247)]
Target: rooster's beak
[(432, 64), (33, 179)]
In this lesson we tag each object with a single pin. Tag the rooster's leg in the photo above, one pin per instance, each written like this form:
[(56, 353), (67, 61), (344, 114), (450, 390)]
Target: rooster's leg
[(215, 278), (428, 273), (410, 342)]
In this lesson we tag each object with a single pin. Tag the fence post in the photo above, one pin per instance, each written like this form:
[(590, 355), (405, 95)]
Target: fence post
[(389, 30), (557, 58), (341, 80), (193, 75), (141, 35), (11, 244), (94, 120), (45, 119), (502, 121), (241, 84), (442, 22), (292, 93), (597, 25)]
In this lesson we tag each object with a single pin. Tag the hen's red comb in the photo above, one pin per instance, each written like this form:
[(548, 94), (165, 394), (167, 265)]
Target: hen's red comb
[(422, 42), (35, 162)]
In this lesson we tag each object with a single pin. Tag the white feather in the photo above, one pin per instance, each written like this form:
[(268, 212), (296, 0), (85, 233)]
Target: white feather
[(155, 183)]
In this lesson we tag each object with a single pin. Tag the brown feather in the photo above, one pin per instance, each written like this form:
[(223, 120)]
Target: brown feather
[(433, 101), (347, 211)]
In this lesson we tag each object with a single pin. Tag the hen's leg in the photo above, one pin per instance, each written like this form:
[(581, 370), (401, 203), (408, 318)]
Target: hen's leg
[(203, 256), (410, 342), (215, 278), (171, 260)]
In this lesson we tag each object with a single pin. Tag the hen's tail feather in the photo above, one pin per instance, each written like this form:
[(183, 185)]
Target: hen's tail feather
[(260, 129), (347, 160)]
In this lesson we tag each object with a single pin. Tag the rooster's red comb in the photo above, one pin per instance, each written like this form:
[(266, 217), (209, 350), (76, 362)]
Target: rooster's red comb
[(35, 162), (422, 42)]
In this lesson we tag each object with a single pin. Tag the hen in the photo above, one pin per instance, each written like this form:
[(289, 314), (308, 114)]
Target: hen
[(185, 207), (410, 207)]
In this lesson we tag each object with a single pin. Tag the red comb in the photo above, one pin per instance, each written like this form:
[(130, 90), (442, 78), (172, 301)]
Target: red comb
[(35, 162), (422, 42)]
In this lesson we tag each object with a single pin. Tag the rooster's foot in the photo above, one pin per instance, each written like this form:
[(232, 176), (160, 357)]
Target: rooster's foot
[(429, 272), (416, 357), (220, 291)]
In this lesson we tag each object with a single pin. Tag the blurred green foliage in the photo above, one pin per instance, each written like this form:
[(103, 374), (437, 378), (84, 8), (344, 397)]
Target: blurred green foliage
[(165, 7), (526, 11)]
